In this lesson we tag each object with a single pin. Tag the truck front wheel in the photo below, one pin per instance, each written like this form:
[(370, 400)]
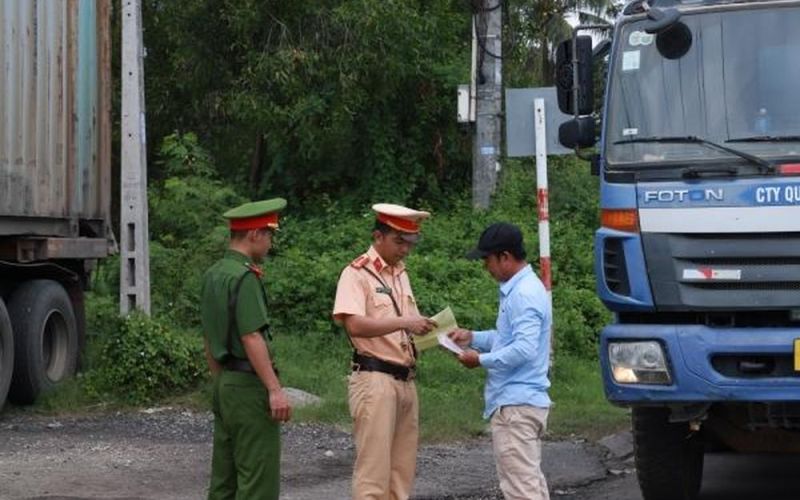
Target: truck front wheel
[(669, 457), (6, 353), (46, 338)]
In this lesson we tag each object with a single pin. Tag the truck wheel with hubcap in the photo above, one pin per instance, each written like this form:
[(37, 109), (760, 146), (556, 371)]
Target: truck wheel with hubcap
[(6, 353), (669, 457), (46, 338)]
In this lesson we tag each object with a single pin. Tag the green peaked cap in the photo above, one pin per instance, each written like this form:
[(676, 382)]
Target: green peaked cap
[(256, 208)]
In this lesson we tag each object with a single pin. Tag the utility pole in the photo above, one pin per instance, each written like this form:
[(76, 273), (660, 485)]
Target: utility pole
[(134, 235), (486, 145)]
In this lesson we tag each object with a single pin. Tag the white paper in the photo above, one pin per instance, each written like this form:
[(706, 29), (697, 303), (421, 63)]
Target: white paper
[(448, 344), (445, 323), (626, 132), (630, 60)]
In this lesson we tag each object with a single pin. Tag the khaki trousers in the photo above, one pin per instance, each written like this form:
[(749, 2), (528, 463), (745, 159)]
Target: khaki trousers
[(385, 430), (517, 441)]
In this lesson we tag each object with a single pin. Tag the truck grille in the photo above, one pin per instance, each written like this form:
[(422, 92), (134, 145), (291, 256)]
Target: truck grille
[(761, 366), (701, 272), (616, 274)]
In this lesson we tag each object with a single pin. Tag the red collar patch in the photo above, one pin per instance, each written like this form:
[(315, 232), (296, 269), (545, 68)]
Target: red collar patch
[(256, 270)]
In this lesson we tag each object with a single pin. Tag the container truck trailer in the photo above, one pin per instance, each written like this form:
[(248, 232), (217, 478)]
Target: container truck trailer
[(55, 184)]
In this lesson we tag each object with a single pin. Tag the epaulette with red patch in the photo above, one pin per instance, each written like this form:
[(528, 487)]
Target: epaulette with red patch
[(360, 262)]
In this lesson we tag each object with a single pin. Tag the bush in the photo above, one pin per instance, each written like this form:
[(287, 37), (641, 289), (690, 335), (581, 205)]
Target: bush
[(311, 251), (187, 231), (301, 278), (578, 317), (140, 360), (188, 204)]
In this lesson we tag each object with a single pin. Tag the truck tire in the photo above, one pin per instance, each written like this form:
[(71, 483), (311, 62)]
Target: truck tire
[(46, 339), (668, 456), (6, 353)]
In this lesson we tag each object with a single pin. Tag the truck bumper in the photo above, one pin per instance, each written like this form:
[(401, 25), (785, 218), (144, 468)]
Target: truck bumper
[(705, 364)]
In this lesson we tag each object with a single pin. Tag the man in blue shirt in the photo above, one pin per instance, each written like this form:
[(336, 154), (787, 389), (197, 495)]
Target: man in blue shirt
[(516, 357)]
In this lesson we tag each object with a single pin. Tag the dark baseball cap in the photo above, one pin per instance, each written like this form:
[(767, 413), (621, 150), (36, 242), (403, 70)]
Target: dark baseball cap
[(499, 237)]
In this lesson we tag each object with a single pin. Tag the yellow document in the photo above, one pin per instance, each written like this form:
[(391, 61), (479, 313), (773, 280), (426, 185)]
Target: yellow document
[(445, 323)]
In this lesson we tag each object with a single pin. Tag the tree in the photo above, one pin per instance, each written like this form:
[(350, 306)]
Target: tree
[(537, 27), (311, 97)]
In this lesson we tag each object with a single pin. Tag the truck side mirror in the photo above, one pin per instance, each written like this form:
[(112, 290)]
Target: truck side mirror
[(674, 42), (660, 20), (564, 76), (577, 133)]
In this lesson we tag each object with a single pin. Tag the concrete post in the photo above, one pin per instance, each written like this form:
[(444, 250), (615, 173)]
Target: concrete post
[(134, 234), (486, 144)]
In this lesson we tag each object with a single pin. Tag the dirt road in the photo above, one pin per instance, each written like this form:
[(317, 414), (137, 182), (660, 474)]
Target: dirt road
[(164, 455), (726, 477)]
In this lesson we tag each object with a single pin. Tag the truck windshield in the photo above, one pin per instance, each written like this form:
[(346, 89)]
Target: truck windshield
[(737, 83)]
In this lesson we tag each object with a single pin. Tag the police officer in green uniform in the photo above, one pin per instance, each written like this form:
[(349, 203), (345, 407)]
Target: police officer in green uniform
[(248, 400)]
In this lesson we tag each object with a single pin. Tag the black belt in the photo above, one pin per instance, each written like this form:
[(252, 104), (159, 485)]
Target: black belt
[(238, 365), (370, 364), (243, 365)]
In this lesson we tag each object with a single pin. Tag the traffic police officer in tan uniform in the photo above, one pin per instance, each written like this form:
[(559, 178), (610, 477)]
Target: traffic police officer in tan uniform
[(375, 304), (248, 400)]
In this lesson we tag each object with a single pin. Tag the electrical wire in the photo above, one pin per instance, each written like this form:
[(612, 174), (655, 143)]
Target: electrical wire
[(477, 8), (480, 34)]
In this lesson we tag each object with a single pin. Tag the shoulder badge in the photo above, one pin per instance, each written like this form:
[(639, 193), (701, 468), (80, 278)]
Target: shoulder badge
[(360, 262)]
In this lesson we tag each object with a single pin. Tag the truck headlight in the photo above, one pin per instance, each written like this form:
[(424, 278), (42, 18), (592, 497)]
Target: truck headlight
[(638, 363)]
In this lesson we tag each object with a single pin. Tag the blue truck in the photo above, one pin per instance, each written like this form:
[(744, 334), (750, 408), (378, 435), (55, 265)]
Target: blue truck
[(698, 253)]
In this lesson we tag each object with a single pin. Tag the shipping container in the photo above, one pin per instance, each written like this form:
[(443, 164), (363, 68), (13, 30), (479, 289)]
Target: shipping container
[(55, 128)]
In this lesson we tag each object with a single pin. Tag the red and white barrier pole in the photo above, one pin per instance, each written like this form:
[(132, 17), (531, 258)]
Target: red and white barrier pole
[(543, 195)]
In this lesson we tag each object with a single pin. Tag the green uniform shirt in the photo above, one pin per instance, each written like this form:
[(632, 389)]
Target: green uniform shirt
[(251, 308)]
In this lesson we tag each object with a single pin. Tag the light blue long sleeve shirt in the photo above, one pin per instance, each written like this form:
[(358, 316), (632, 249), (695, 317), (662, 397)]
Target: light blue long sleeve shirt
[(516, 354)]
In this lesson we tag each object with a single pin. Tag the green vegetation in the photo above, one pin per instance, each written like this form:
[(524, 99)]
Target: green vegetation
[(451, 398), (351, 100), (160, 361), (335, 105), (580, 407), (301, 98), (141, 359)]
